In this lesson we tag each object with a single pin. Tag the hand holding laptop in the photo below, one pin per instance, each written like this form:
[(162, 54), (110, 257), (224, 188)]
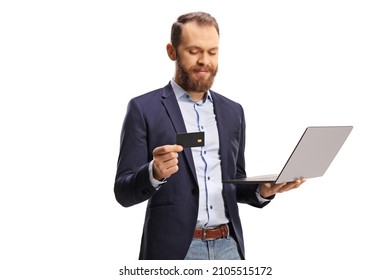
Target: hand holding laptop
[(269, 189)]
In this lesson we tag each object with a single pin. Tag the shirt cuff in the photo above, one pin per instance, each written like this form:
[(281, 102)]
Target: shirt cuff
[(155, 183), (259, 197)]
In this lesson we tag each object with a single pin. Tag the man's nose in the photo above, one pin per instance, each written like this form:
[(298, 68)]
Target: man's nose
[(203, 59)]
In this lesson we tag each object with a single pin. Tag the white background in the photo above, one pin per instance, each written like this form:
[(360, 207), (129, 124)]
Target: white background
[(68, 69)]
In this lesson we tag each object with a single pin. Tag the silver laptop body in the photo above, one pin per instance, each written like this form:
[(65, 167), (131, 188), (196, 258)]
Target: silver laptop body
[(311, 157)]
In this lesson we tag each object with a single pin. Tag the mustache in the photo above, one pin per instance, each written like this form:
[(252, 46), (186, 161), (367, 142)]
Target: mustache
[(198, 68)]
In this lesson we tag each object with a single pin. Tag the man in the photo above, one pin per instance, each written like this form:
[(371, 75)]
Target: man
[(190, 213)]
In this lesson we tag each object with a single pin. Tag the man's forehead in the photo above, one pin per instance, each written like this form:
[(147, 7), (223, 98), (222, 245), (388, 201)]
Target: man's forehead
[(205, 35)]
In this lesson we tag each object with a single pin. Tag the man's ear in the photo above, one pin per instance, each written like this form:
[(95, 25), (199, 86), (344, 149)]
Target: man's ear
[(171, 52)]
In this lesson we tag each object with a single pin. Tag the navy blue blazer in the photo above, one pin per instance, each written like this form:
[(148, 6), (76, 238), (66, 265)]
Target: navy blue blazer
[(152, 120)]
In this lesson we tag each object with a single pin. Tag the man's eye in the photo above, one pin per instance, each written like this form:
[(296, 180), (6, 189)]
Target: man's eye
[(193, 51)]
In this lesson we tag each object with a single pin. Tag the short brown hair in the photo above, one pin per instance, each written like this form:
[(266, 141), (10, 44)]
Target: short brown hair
[(200, 18)]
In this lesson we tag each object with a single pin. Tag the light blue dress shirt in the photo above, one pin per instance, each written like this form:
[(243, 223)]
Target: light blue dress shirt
[(199, 116)]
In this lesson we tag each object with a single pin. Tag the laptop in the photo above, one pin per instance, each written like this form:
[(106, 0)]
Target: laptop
[(311, 157)]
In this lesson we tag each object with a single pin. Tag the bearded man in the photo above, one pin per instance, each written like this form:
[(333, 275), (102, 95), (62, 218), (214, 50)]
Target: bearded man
[(190, 213)]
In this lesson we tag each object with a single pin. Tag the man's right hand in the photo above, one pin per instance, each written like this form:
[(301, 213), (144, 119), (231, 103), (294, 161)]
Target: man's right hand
[(165, 161)]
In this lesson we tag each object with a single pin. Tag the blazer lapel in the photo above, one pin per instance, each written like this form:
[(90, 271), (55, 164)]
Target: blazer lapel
[(223, 131), (170, 103)]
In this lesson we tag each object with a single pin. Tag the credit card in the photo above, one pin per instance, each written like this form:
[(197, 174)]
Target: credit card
[(192, 139)]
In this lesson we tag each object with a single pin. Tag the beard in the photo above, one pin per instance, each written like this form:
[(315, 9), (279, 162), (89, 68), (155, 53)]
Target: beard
[(190, 82)]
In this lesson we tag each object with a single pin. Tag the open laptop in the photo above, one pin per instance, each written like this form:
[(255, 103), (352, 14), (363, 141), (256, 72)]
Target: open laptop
[(311, 157)]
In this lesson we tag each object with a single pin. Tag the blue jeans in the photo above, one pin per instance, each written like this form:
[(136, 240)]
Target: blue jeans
[(218, 249)]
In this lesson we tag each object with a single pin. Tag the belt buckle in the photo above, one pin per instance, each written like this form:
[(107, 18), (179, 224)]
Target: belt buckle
[(224, 232), (204, 234)]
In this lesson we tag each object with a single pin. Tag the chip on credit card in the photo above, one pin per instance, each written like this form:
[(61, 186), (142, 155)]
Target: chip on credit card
[(192, 139)]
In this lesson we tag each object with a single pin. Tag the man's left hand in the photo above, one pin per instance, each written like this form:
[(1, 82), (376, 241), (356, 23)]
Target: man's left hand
[(269, 189)]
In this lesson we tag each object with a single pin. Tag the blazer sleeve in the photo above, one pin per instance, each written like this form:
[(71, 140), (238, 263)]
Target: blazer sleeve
[(132, 183)]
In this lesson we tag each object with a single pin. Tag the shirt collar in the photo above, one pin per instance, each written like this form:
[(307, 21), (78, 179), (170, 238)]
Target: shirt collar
[(181, 94)]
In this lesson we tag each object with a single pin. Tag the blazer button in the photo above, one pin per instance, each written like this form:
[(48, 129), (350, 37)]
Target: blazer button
[(145, 192)]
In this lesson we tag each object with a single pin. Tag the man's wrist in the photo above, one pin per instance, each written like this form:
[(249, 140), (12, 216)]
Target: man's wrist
[(155, 183), (265, 194)]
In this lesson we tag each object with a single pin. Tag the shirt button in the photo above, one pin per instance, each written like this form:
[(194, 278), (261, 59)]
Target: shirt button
[(205, 152), (211, 206), (208, 178)]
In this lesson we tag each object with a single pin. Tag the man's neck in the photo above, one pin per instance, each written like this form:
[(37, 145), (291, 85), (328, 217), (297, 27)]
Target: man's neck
[(197, 96)]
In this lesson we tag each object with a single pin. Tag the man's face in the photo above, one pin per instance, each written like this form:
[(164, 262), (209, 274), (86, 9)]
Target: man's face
[(197, 58)]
